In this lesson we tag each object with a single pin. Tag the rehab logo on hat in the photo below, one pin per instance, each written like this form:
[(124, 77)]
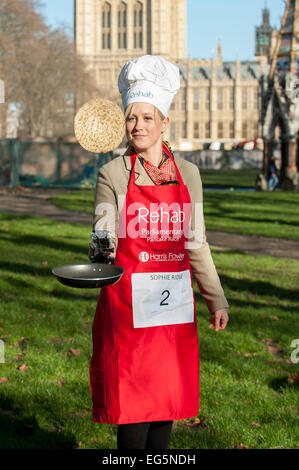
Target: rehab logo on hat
[(139, 93)]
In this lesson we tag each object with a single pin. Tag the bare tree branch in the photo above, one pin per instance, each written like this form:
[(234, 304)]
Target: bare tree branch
[(43, 75)]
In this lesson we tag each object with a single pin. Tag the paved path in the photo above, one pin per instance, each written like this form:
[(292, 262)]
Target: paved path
[(34, 201)]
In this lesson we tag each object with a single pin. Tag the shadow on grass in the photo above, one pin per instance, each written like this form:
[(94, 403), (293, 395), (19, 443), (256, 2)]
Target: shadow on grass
[(260, 308), (282, 383), (59, 291), (197, 437), (263, 220), (260, 288), (59, 245), (254, 287), (253, 198), (23, 268), (213, 206), (38, 219), (21, 431)]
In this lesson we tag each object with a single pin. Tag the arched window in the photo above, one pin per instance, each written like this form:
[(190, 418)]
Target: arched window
[(207, 130), (2, 92), (106, 26), (244, 99), (231, 129), (196, 99), (220, 99), (138, 25), (244, 130), (220, 130), (231, 99), (122, 25)]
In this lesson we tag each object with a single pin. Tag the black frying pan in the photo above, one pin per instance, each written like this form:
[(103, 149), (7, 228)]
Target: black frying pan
[(88, 275)]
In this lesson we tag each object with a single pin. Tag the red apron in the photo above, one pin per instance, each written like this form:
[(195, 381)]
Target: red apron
[(145, 362)]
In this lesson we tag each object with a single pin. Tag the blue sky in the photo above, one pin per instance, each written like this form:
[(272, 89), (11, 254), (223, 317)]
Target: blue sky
[(230, 21)]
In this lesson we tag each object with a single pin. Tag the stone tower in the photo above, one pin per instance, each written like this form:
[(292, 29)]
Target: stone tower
[(280, 113), (263, 35), (110, 32)]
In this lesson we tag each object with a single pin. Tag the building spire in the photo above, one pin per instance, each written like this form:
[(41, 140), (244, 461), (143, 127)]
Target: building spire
[(263, 35), (219, 53), (286, 55)]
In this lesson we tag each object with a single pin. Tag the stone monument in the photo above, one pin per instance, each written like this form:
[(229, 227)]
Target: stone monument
[(280, 95)]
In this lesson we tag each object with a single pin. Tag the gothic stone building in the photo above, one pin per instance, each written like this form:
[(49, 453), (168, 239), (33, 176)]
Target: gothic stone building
[(218, 101)]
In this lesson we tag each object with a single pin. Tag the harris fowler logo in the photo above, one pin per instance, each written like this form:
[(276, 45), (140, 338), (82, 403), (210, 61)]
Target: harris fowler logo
[(144, 256)]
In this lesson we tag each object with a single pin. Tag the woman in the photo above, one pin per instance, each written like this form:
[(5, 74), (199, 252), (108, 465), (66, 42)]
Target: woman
[(144, 371)]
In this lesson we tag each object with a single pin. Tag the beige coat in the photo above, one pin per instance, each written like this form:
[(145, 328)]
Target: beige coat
[(111, 188)]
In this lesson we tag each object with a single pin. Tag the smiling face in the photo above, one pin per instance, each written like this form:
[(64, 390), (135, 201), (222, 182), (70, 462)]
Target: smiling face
[(145, 127)]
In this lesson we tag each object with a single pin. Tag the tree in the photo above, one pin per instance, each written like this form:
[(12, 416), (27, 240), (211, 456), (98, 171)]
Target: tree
[(42, 72)]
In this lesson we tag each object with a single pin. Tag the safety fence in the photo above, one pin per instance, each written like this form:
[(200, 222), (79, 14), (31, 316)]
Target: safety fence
[(68, 165), (48, 164), (236, 159)]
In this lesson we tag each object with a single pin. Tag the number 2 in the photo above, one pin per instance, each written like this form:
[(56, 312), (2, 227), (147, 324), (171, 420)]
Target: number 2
[(162, 302), (294, 358)]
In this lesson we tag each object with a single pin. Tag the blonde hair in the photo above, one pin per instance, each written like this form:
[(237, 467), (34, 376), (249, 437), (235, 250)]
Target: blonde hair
[(128, 111)]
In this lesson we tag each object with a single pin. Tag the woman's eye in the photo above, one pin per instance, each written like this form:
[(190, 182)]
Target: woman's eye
[(148, 118)]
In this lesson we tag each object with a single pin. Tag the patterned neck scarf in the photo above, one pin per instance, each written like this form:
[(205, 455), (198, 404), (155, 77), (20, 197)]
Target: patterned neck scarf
[(164, 173)]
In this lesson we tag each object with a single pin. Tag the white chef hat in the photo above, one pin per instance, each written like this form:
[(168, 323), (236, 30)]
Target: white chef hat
[(149, 79)]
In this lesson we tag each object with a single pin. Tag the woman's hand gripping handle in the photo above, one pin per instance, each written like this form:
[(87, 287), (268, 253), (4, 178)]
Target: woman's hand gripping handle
[(101, 247)]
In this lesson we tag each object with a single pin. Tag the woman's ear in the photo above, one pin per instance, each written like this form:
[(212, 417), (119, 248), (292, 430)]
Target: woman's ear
[(165, 124)]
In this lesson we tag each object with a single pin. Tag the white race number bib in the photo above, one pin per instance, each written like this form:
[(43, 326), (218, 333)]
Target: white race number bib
[(162, 299)]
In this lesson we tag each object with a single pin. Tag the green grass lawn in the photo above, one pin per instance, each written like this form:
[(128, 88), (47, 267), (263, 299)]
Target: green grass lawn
[(229, 178), (274, 214), (249, 386)]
